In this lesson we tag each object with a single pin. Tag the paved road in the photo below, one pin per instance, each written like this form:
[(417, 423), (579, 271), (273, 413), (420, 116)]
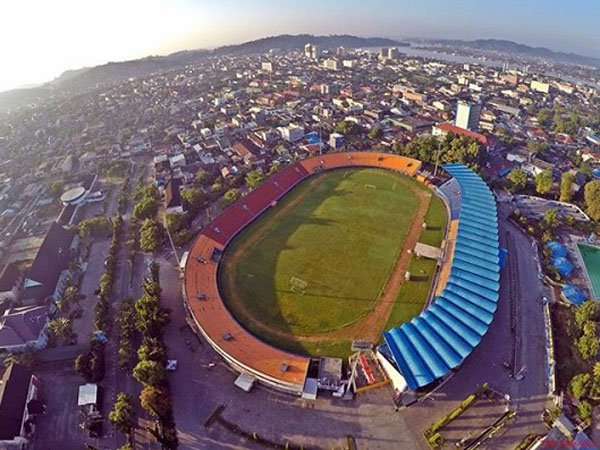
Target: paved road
[(371, 419)]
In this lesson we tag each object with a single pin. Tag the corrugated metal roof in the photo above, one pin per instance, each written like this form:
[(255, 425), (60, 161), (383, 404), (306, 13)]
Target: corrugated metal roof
[(438, 340)]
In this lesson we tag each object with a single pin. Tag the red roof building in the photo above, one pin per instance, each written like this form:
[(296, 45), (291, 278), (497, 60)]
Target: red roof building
[(443, 129)]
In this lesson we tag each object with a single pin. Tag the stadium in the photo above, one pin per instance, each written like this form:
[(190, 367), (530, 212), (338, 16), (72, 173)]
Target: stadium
[(320, 255)]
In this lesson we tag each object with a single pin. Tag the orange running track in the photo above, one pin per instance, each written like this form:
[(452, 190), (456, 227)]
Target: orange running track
[(245, 352)]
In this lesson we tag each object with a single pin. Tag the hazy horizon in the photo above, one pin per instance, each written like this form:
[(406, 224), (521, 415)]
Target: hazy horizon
[(69, 35)]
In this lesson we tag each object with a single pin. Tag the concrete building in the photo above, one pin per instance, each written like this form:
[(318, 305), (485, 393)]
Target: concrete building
[(311, 51), (336, 140), (539, 86), (467, 115), (267, 66), (390, 53), (292, 133), (331, 64)]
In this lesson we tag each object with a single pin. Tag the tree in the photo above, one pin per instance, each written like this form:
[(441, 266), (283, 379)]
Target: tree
[(591, 195), (152, 349), (204, 178), (149, 372), (580, 385), (544, 117), (95, 227), (375, 133), (61, 327), (566, 186), (588, 346), (551, 218), (543, 182), (232, 196), (585, 313), (567, 124), (146, 208), (176, 221), (150, 317), (193, 200), (56, 188), (72, 295), (536, 147), (275, 167), (584, 410), (254, 179), (156, 401), (518, 178), (151, 235), (121, 416), (347, 127)]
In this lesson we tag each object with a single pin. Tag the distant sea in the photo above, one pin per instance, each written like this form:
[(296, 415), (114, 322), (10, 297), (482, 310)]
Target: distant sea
[(462, 59)]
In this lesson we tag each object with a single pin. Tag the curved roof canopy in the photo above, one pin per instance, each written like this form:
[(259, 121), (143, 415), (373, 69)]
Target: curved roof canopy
[(442, 336)]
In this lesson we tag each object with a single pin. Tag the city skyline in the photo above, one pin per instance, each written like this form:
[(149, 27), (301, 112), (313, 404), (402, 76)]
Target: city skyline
[(65, 35)]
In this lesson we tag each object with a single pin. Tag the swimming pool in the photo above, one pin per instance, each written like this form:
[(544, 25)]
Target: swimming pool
[(591, 259)]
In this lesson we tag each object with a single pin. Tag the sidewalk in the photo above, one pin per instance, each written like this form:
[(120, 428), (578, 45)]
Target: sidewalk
[(84, 325)]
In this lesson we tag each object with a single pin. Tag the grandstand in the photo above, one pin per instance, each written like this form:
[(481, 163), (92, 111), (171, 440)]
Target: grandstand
[(245, 352), (428, 347)]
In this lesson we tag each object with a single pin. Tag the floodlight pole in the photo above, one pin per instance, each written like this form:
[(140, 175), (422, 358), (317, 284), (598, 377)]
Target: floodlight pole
[(437, 162)]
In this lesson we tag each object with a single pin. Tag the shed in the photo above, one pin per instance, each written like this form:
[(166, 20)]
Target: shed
[(245, 381), (88, 394)]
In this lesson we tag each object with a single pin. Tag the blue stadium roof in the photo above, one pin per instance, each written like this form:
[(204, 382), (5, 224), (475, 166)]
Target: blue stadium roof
[(441, 337)]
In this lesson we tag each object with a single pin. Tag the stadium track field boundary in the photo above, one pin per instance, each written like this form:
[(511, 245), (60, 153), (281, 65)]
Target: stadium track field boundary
[(272, 366)]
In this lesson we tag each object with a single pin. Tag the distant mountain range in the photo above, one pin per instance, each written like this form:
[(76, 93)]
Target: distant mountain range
[(113, 72), (510, 47)]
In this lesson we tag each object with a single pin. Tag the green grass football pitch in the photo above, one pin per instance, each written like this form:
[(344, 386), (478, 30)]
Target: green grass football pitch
[(341, 234)]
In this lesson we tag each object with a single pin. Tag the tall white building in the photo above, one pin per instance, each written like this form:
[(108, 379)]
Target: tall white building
[(467, 115), (311, 51), (388, 53), (292, 133)]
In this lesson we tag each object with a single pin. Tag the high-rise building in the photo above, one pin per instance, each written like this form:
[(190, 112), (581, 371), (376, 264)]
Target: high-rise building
[(340, 51), (388, 53), (331, 64), (311, 51), (467, 115)]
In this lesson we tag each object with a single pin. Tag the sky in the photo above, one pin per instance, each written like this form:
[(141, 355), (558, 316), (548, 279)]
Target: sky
[(39, 39)]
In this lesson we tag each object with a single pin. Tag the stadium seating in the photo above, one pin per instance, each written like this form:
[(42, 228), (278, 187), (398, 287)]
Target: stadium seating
[(432, 344)]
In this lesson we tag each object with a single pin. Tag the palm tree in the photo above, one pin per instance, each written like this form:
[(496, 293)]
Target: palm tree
[(71, 295), (61, 327)]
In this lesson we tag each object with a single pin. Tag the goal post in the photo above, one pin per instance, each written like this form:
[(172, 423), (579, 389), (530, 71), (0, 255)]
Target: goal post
[(298, 285)]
